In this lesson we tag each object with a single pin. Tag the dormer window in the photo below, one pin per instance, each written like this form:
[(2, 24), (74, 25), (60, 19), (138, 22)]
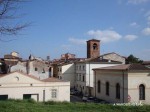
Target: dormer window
[(94, 46)]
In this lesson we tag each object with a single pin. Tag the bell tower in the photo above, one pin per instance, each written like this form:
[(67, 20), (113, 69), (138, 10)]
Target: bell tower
[(93, 48)]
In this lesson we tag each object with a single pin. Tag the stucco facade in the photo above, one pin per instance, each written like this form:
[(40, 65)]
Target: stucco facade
[(67, 72), (114, 56), (19, 86), (84, 75), (36, 68), (129, 81)]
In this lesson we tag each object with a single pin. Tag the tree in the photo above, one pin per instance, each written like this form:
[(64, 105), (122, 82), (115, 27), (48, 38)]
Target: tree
[(133, 59), (7, 15)]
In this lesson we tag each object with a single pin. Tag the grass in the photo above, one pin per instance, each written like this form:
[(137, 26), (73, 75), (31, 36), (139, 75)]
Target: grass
[(50, 106)]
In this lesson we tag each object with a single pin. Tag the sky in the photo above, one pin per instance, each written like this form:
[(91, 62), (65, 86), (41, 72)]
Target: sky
[(63, 26)]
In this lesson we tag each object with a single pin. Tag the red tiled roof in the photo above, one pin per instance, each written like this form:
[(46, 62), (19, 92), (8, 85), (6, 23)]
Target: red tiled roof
[(33, 77), (146, 63), (129, 67), (1, 75), (98, 59)]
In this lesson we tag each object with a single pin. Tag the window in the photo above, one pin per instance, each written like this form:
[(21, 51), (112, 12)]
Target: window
[(117, 91), (94, 46), (98, 86), (3, 97), (83, 67), (80, 77), (77, 67), (36, 69), (141, 92), (26, 96), (54, 93), (80, 68), (107, 88), (43, 70), (83, 78)]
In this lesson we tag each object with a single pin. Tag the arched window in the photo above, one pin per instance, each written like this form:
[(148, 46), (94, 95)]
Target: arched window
[(107, 88), (94, 46), (141, 92), (98, 86), (117, 91)]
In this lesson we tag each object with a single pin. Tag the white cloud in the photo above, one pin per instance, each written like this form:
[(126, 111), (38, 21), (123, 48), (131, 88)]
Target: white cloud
[(131, 37), (146, 31), (134, 24), (77, 41), (105, 35), (137, 1)]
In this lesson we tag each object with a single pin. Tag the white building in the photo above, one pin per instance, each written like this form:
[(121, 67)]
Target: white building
[(17, 85), (84, 76), (67, 72), (114, 56), (123, 83)]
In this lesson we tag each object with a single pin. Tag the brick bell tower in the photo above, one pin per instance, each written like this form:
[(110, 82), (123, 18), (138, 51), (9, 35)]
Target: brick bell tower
[(93, 48)]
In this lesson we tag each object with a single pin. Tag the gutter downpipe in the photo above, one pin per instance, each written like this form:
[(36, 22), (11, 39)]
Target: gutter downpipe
[(95, 82), (123, 85), (89, 74), (89, 77)]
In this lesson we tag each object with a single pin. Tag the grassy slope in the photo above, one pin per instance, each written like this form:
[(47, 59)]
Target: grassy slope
[(31, 106)]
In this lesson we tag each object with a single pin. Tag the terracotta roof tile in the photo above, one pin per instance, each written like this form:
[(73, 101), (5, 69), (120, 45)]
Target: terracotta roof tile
[(130, 67), (52, 80)]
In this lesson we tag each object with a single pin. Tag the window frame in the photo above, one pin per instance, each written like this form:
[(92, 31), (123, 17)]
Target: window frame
[(141, 92), (107, 88), (118, 91), (98, 86), (54, 93)]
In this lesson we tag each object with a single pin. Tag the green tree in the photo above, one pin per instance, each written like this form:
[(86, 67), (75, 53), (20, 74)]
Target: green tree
[(132, 59)]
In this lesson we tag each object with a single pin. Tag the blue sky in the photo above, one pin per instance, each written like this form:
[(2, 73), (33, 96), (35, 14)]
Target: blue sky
[(61, 26)]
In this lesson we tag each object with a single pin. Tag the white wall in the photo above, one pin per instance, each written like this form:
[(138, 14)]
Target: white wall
[(113, 77), (67, 73), (14, 88), (134, 80), (63, 92), (18, 67), (89, 77), (80, 71), (89, 71), (38, 73)]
